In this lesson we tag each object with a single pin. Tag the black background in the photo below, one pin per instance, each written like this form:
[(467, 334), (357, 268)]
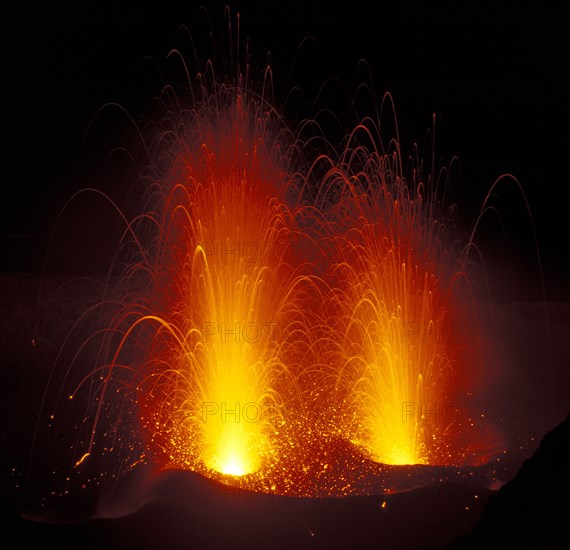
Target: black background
[(495, 73)]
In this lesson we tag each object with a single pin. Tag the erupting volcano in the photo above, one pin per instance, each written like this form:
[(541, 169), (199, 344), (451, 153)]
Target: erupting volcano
[(280, 318), (225, 301), (255, 360), (391, 305), (250, 296), (238, 315)]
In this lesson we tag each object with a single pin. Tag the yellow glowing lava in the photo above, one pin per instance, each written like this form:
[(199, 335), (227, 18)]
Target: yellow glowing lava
[(237, 353), (393, 356), (233, 450), (392, 330), (226, 238)]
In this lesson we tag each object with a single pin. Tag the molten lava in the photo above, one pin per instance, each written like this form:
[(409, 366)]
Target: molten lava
[(290, 332), (217, 377), (390, 311)]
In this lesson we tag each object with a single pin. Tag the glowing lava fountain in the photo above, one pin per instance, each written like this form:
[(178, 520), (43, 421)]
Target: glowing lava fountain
[(254, 358), (220, 370), (390, 304)]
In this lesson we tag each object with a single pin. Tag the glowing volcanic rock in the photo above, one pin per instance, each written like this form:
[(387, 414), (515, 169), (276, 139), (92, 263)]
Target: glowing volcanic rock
[(390, 311), (390, 368), (218, 374), (296, 373)]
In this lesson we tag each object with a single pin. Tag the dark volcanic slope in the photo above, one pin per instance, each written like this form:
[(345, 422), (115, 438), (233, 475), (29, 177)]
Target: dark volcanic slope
[(533, 509), (185, 510)]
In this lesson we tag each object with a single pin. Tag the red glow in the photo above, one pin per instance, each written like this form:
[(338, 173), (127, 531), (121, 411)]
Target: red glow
[(284, 368)]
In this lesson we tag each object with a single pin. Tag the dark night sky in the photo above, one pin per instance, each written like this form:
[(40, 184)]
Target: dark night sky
[(494, 72)]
